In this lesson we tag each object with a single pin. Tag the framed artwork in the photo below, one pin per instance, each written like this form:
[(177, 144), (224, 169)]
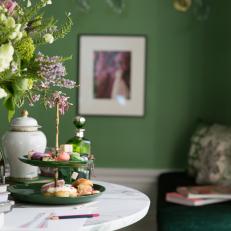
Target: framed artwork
[(112, 75)]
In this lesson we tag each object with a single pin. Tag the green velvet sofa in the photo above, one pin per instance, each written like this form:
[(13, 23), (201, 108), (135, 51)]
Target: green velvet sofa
[(173, 217)]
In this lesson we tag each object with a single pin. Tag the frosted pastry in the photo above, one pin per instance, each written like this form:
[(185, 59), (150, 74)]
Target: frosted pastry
[(61, 190), (65, 191), (49, 186), (63, 156), (84, 186), (82, 181)]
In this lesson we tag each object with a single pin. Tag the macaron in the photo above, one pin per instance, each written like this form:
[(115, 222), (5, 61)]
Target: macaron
[(63, 156)]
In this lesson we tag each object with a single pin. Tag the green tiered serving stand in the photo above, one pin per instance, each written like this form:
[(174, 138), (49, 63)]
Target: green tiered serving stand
[(32, 192)]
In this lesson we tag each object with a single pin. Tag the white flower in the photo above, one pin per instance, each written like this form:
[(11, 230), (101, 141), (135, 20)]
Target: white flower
[(4, 64), (17, 27), (14, 66), (2, 93), (13, 35), (49, 38), (3, 8), (10, 22), (16, 33), (28, 3), (6, 56), (46, 2), (2, 17), (20, 34), (7, 51)]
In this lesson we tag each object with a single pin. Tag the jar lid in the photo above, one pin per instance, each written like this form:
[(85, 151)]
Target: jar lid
[(24, 123)]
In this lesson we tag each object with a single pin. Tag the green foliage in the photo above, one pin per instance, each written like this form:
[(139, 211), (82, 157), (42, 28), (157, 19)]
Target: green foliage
[(9, 103), (4, 34), (25, 48), (31, 12), (39, 27), (64, 30)]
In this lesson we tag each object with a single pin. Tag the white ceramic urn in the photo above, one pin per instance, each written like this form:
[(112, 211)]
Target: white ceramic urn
[(23, 137)]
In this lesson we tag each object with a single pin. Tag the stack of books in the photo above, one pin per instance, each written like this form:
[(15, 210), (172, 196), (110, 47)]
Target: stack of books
[(200, 195), (5, 204)]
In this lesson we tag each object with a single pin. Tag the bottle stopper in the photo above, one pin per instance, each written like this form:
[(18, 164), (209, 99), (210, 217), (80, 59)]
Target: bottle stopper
[(79, 121)]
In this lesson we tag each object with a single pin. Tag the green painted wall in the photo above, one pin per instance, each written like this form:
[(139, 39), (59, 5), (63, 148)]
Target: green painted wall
[(177, 78), (217, 69)]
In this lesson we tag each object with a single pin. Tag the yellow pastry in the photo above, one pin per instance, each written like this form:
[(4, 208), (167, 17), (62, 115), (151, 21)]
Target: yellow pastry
[(60, 191), (84, 186)]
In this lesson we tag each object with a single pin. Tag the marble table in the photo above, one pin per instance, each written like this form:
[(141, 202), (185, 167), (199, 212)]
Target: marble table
[(119, 206)]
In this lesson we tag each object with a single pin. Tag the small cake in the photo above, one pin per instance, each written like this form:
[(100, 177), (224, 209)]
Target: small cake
[(84, 186), (61, 190), (49, 188), (65, 191), (63, 156), (72, 191), (80, 187), (50, 191), (39, 156)]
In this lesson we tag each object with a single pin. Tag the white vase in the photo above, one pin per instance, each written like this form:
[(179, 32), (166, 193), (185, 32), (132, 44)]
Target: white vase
[(22, 138)]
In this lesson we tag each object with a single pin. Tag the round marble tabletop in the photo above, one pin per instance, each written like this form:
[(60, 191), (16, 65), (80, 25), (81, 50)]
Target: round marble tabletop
[(119, 206)]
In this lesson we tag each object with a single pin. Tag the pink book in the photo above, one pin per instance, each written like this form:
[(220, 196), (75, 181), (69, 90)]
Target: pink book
[(206, 191), (177, 198)]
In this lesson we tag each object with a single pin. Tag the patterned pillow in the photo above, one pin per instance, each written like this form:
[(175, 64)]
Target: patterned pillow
[(210, 154)]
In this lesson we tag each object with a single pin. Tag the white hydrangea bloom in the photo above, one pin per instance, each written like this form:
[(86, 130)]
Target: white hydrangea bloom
[(2, 93), (28, 3), (16, 33), (6, 56), (2, 17), (13, 35), (10, 22), (3, 65), (49, 38), (17, 27), (19, 36)]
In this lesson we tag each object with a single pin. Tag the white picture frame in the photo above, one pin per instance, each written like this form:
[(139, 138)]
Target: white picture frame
[(112, 75)]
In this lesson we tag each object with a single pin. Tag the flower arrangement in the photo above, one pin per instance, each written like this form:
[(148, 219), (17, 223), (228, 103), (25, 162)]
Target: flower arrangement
[(25, 73)]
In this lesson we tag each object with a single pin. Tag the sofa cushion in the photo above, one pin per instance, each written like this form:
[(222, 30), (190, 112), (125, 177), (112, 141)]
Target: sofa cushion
[(210, 154)]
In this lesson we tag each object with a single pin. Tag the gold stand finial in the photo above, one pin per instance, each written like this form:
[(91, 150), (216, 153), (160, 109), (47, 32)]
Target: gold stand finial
[(24, 113)]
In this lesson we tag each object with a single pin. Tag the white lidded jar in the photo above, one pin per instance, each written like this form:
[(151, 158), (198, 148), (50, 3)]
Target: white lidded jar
[(23, 137)]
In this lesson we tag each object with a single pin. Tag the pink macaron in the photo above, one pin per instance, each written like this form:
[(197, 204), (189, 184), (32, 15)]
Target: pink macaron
[(63, 156)]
